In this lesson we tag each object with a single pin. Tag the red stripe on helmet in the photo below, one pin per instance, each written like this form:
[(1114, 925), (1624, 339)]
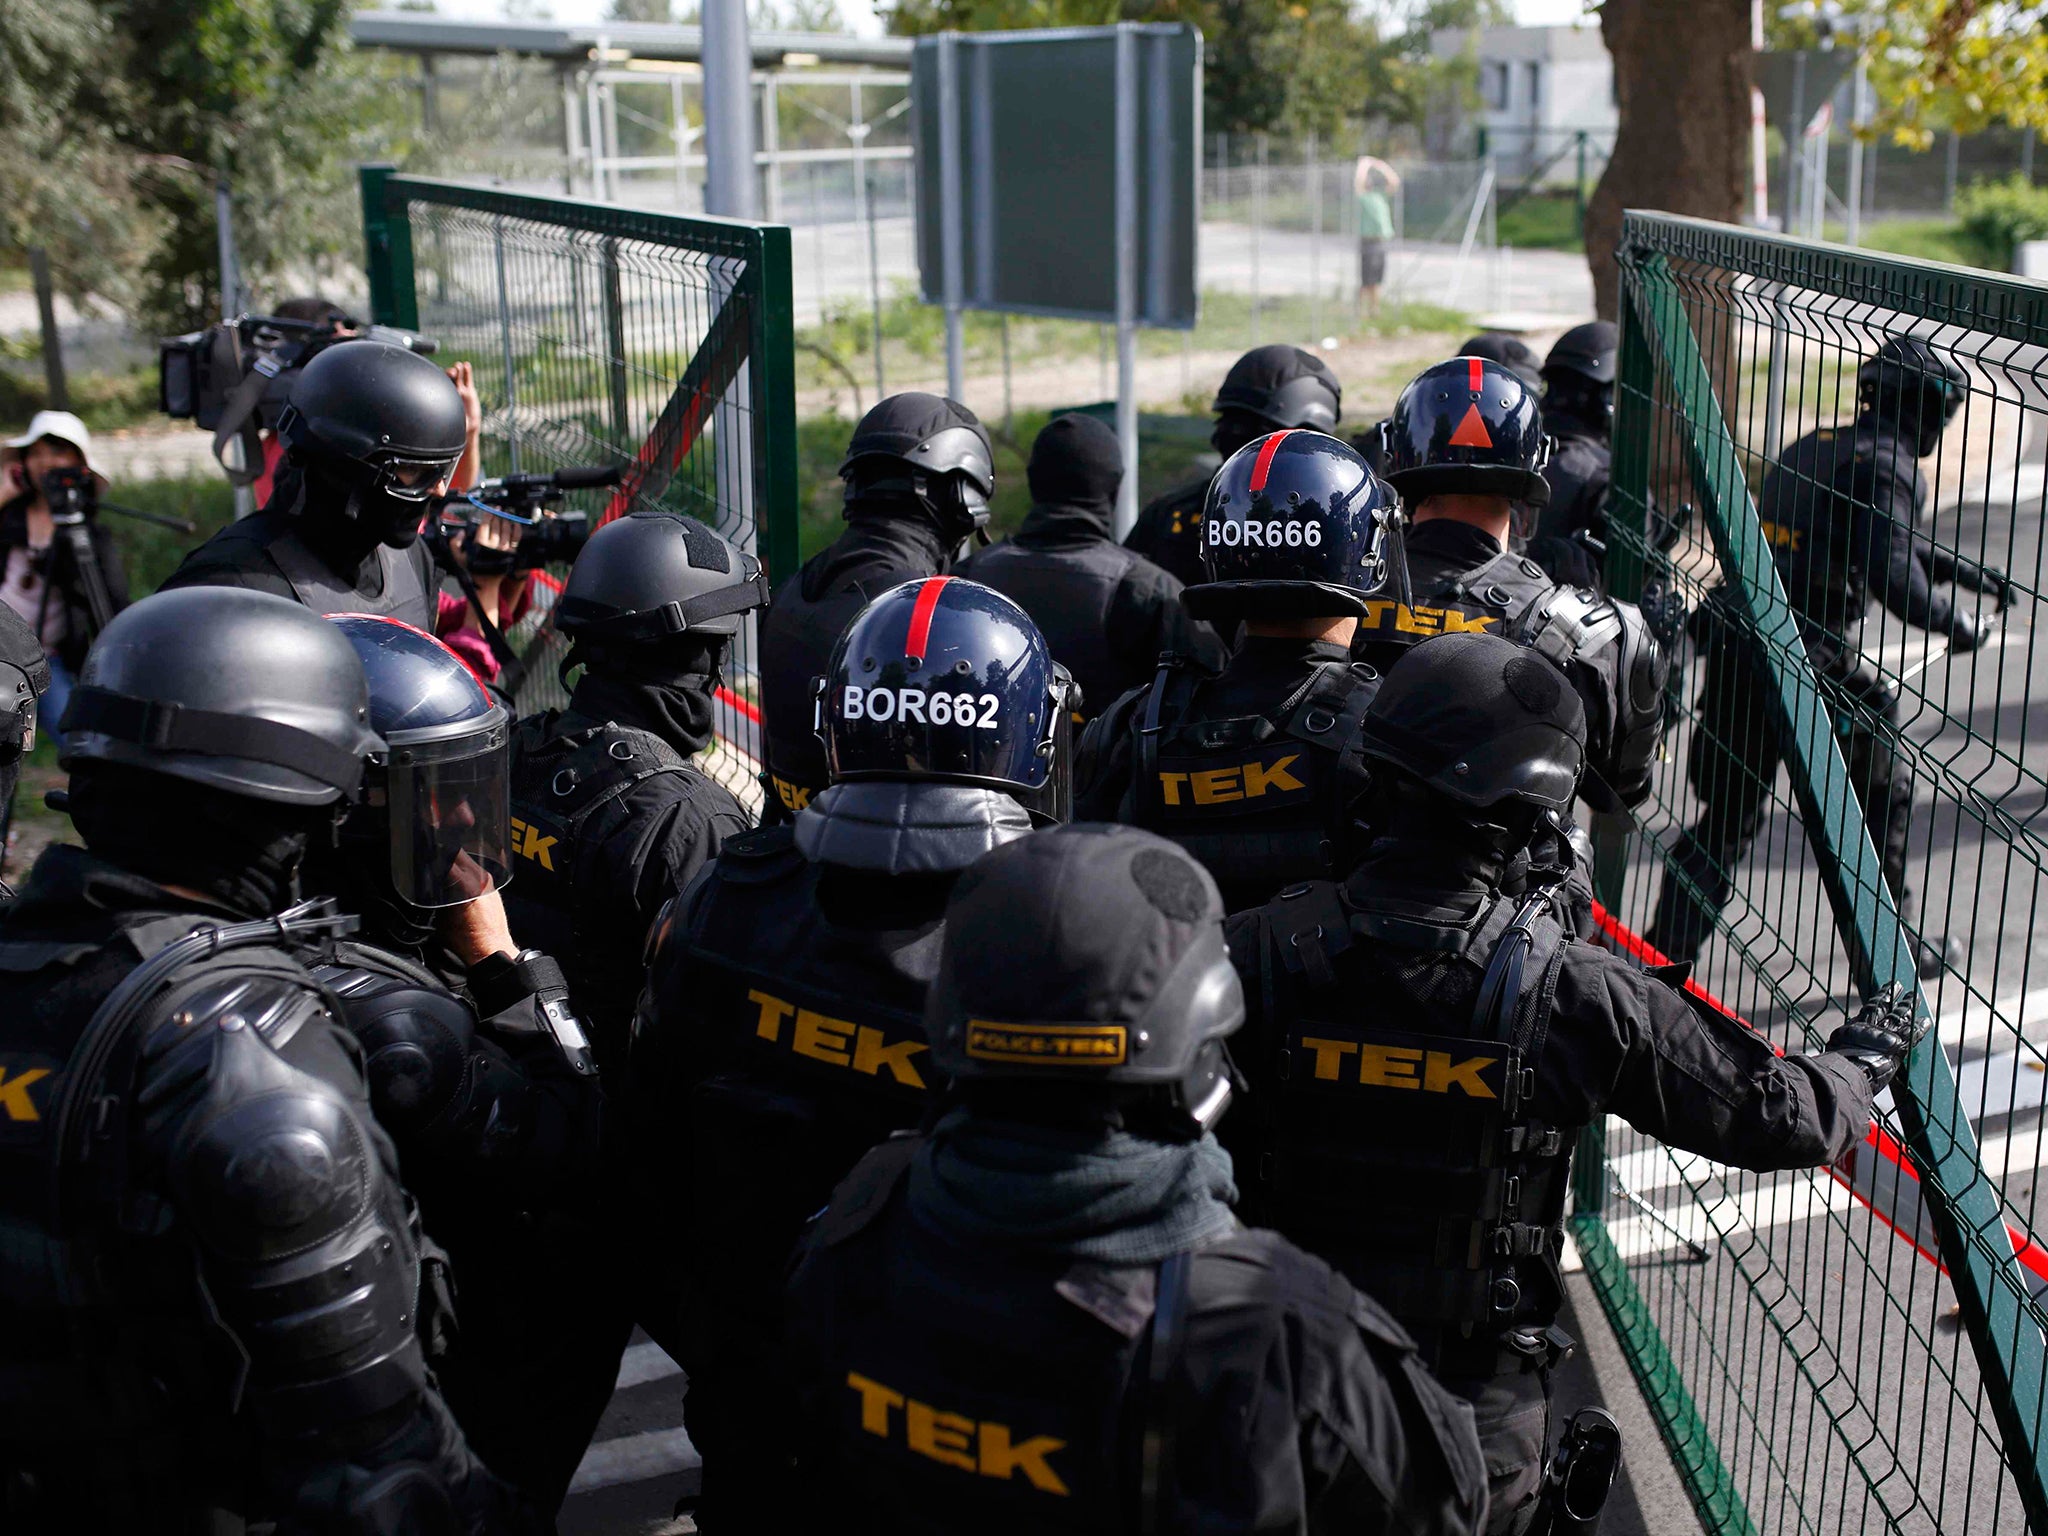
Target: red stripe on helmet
[(1262, 466), (1478, 378), (921, 616)]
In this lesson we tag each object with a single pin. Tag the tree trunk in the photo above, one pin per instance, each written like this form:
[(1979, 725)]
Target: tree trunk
[(1681, 80)]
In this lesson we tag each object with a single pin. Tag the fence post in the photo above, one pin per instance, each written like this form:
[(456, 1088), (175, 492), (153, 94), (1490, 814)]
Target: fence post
[(53, 342), (1969, 1222), (615, 338), (772, 370), (387, 254)]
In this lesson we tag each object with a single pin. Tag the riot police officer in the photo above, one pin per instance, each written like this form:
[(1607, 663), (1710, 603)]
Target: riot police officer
[(1042, 1316), (477, 1062), (1106, 611), (1464, 443), (371, 433), (1254, 771), (1842, 511), (213, 1313), (1269, 389), (783, 1020), (609, 816), (1578, 412), (1427, 1048), (919, 473)]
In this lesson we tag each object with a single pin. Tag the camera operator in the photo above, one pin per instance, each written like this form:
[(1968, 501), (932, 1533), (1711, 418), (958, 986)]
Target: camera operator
[(47, 592), (372, 433), (314, 311), (503, 589)]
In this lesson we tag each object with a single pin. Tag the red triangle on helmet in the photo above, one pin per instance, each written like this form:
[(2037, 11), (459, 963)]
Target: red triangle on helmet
[(1472, 431)]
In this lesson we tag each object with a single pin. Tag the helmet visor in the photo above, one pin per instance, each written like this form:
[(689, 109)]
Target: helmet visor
[(416, 479), (451, 821)]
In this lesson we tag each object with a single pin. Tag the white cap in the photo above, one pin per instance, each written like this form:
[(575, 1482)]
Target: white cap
[(61, 425)]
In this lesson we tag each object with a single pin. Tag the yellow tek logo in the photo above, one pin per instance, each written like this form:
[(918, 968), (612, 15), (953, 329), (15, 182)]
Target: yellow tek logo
[(981, 1446)]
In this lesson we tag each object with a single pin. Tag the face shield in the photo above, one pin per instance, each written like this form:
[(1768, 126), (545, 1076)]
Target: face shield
[(1052, 804), (450, 811)]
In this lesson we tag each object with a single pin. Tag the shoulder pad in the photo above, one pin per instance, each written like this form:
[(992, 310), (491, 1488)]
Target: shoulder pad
[(865, 1193), (1568, 624), (758, 856), (272, 996)]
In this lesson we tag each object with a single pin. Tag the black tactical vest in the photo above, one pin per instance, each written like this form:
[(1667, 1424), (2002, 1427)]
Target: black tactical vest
[(1821, 536), (112, 1377), (403, 594), (567, 791), (1263, 801), (1068, 593), (1577, 475), (965, 1390), (1393, 1138), (808, 1045)]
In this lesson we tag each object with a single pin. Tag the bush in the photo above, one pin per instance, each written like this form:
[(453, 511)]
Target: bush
[(1995, 216)]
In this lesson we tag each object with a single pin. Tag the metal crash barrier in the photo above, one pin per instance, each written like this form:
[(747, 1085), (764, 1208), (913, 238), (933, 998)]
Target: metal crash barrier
[(659, 344), (1861, 1348)]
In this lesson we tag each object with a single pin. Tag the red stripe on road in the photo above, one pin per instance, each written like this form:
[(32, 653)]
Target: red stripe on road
[(1262, 466), (921, 616)]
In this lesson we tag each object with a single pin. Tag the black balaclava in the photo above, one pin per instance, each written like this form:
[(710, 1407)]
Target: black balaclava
[(1578, 399), (345, 518), (1076, 462), (665, 689), (243, 852), (1434, 841)]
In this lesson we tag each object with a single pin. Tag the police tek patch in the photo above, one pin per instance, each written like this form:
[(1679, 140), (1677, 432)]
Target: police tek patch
[(1053, 1045), (1202, 787), (1387, 1060), (925, 706)]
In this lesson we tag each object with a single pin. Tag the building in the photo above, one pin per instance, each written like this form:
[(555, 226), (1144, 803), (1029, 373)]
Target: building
[(1540, 88)]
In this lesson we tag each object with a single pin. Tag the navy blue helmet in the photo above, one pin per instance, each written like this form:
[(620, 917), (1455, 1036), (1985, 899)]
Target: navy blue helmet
[(944, 679), (1467, 427), (442, 785), (1295, 526)]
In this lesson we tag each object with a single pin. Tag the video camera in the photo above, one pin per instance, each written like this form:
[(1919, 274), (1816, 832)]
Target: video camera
[(234, 378), (71, 562), (548, 540)]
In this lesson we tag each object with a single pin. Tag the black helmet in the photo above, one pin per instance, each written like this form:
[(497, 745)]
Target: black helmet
[(1511, 352), (927, 448), (1587, 350), (943, 679), (1467, 427), (1480, 720), (1294, 526), (238, 690), (1283, 386), (439, 793), (24, 675), (1087, 958), (386, 410), (1912, 388), (652, 576)]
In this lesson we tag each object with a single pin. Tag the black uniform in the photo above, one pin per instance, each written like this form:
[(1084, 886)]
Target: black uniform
[(1107, 612), (1841, 510), (1043, 1316), (330, 567), (501, 1145), (611, 821), (1253, 772), (1421, 1142), (1016, 1386), (1168, 532), (282, 1374), (781, 1036), (807, 615), (1571, 529), (1461, 581)]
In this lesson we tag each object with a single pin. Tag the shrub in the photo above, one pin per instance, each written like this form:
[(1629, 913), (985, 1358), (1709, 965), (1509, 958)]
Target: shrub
[(1996, 215)]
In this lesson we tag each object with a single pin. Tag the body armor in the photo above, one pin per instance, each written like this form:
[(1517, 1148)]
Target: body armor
[(1819, 506), (568, 791), (122, 1372), (1168, 532), (1068, 593), (1261, 800), (1398, 1150), (403, 596), (1604, 646), (1578, 474)]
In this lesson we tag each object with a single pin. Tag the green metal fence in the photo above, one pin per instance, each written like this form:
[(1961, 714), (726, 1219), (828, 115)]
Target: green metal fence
[(1859, 1349), (605, 335)]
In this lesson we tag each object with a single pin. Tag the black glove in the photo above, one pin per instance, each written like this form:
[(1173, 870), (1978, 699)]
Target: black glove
[(1964, 633), (1994, 581), (1879, 1038)]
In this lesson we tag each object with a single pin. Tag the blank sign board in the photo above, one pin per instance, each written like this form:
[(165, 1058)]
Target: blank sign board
[(1024, 130)]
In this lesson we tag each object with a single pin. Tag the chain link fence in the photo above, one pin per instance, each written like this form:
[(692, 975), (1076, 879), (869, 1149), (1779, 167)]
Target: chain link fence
[(601, 335), (1844, 802)]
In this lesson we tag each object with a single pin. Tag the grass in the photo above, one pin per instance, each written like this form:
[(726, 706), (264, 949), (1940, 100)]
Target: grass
[(1924, 239), (841, 347), (104, 400), (1542, 221), (150, 553)]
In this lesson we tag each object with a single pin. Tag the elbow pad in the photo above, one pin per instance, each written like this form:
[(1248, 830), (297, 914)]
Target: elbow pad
[(308, 1253)]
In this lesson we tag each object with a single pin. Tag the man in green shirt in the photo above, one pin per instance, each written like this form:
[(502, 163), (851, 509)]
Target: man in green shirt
[(1376, 184)]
